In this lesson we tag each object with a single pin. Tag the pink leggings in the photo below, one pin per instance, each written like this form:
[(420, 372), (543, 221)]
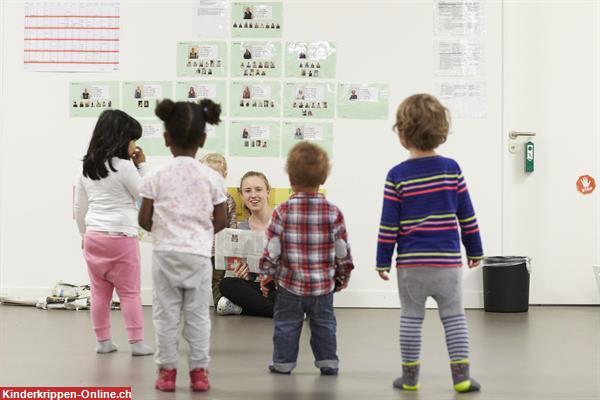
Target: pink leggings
[(114, 263)]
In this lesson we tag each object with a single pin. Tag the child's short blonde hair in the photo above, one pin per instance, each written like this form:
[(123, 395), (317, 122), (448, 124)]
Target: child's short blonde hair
[(217, 162), (422, 122), (307, 165)]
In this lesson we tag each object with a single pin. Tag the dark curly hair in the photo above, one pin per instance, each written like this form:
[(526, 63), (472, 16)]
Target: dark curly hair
[(186, 122)]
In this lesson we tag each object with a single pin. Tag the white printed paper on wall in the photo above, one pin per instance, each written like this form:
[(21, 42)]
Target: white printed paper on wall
[(212, 19), (464, 99), (459, 17), (71, 37), (459, 58)]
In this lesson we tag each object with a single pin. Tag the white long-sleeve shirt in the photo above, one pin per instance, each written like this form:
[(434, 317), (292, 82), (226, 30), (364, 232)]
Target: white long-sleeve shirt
[(109, 204)]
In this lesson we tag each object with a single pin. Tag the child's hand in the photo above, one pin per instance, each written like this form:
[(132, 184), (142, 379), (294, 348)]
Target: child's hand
[(138, 156), (474, 263), (241, 271), (384, 275), (339, 285)]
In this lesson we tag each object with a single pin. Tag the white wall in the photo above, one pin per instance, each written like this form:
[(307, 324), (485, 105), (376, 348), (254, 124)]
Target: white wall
[(377, 41)]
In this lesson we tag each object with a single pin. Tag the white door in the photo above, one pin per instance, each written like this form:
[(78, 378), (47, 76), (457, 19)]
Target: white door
[(552, 87)]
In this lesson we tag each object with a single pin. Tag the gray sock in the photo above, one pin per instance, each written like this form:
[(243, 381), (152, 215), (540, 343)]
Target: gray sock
[(461, 377), (410, 377), (106, 346), (141, 349)]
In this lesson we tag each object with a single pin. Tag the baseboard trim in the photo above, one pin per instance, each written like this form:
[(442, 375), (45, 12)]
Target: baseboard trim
[(345, 299)]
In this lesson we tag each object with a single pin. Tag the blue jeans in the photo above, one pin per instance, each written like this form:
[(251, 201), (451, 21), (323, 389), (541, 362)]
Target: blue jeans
[(289, 317)]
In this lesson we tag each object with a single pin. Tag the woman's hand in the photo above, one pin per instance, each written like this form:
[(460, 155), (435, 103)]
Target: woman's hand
[(264, 288), (138, 156), (242, 271)]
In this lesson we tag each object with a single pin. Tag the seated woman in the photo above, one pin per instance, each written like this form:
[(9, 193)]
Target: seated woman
[(241, 292)]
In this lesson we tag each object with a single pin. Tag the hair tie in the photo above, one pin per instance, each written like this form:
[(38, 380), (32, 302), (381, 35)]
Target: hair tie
[(205, 109)]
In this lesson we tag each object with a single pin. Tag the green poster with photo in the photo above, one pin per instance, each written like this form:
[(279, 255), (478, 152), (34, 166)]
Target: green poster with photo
[(256, 59), (257, 20), (254, 138), (319, 133), (308, 100), (153, 142), (194, 91), (363, 100), (310, 60), (89, 99), (202, 59), (140, 98), (255, 99)]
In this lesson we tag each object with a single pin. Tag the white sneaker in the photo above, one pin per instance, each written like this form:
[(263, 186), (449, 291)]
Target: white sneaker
[(227, 307)]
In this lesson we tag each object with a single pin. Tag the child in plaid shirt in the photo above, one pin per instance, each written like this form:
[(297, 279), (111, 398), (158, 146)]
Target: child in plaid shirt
[(308, 256)]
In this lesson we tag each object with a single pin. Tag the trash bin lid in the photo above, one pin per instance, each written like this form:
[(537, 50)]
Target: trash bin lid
[(505, 261)]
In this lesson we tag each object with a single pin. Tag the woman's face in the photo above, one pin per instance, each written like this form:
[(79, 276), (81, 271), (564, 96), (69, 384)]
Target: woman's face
[(255, 193)]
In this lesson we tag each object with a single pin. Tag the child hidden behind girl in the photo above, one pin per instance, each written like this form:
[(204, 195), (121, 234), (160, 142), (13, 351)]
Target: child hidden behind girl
[(183, 206)]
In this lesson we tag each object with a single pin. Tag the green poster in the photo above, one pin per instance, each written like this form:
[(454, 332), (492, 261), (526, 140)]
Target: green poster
[(363, 100), (319, 133), (259, 20), (153, 142), (140, 98), (255, 99), (309, 100), (202, 59), (254, 138), (260, 59), (89, 99), (195, 91), (310, 60)]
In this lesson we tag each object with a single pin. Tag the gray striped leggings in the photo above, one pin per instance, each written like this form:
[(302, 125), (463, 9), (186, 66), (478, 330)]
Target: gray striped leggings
[(445, 286)]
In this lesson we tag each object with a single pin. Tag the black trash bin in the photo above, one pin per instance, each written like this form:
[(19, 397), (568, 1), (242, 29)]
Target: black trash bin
[(506, 284)]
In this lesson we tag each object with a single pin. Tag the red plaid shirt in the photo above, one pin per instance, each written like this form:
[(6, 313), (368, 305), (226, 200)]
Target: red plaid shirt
[(307, 227)]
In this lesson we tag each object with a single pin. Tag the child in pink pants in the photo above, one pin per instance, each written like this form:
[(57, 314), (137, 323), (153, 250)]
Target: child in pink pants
[(106, 214)]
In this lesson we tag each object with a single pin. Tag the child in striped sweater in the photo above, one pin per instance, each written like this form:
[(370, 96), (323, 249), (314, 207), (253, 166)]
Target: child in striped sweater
[(425, 202)]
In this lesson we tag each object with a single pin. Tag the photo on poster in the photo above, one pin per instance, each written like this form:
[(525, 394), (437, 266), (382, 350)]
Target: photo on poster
[(259, 20), (196, 90), (140, 98), (256, 59), (319, 133), (89, 99), (363, 101), (308, 100), (310, 60), (202, 59), (255, 99), (254, 138)]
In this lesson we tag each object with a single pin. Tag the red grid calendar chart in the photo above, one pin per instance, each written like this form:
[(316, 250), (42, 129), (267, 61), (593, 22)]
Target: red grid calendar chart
[(71, 37)]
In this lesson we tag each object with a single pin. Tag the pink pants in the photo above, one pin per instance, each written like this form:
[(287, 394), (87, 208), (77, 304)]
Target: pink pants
[(114, 263)]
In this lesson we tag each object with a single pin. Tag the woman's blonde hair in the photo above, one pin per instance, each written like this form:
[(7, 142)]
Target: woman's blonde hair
[(217, 162)]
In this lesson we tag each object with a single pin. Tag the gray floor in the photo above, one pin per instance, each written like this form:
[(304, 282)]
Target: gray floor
[(548, 353)]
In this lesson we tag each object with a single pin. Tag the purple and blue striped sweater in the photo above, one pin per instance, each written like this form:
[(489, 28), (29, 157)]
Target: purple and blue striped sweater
[(424, 202)]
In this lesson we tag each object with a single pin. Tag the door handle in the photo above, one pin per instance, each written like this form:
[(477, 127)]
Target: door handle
[(516, 134)]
